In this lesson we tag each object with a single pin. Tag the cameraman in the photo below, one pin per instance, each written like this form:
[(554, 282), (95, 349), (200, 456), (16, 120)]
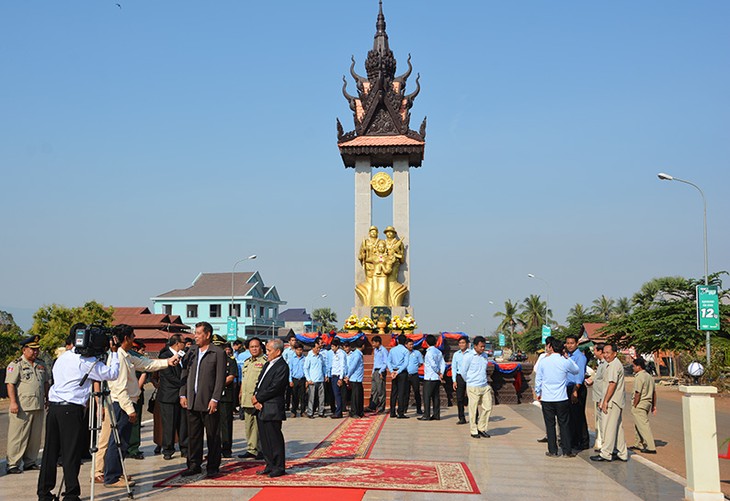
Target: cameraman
[(124, 393), (65, 422)]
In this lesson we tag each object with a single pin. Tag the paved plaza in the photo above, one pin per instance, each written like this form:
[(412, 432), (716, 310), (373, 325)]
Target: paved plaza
[(511, 463)]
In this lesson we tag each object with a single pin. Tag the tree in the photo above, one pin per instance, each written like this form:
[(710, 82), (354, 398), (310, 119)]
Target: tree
[(510, 319), (603, 307), (664, 317), (577, 316), (326, 318), (533, 310), (53, 322), (623, 307), (10, 335)]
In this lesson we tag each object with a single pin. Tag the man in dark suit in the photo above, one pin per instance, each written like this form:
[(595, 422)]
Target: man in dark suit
[(174, 418), (268, 399), (204, 377)]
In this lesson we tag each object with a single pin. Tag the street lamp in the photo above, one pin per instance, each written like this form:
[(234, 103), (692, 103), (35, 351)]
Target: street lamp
[(233, 272), (311, 315), (547, 301), (666, 177)]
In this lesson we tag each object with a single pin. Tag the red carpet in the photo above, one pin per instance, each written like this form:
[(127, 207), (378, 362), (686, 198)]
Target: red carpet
[(353, 438), (334, 494)]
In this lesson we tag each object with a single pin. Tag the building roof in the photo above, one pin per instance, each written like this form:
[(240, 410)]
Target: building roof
[(295, 315), (140, 317), (215, 285), (400, 140), (591, 332)]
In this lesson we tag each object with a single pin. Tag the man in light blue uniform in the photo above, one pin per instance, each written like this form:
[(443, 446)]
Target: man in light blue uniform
[(241, 354), (398, 366), (550, 387), (355, 374), (329, 396), (380, 365), (474, 371), (297, 382), (459, 383), (434, 367), (314, 373), (415, 360), (286, 355), (337, 372)]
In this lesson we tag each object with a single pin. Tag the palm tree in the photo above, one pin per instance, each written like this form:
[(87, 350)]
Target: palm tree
[(533, 311), (603, 307), (577, 313), (325, 317), (510, 319), (623, 307)]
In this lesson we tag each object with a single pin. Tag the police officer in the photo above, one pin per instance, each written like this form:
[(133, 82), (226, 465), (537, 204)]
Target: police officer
[(27, 381), (228, 398)]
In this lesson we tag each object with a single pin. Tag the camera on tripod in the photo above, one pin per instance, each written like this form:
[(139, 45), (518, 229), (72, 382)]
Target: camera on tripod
[(93, 340)]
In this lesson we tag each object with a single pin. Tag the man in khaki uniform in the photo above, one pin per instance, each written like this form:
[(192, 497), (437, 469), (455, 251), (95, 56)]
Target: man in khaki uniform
[(250, 375), (612, 408), (644, 402), (27, 382), (598, 386)]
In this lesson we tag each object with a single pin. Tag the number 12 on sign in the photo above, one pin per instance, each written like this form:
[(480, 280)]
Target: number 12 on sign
[(708, 308)]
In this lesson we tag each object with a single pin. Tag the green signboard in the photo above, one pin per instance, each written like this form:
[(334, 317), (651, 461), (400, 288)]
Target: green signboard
[(232, 331), (546, 330), (708, 308), (502, 340)]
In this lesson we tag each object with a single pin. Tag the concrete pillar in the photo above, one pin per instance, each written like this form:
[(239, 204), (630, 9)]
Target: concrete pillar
[(363, 214), (402, 216), (700, 444)]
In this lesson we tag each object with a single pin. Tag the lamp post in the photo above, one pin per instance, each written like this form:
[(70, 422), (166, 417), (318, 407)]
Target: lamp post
[(666, 177), (233, 272), (547, 301), (311, 316)]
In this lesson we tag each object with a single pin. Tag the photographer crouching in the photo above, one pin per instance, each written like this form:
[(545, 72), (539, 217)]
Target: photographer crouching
[(67, 398), (124, 392)]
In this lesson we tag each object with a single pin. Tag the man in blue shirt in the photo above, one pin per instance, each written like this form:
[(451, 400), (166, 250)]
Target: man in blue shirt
[(459, 383), (398, 366), (380, 365), (329, 397), (551, 381), (433, 374), (314, 373), (336, 372), (355, 373), (286, 355), (415, 360), (474, 371), (297, 382), (577, 394)]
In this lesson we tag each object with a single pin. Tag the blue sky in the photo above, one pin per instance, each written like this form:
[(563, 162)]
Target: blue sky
[(142, 145)]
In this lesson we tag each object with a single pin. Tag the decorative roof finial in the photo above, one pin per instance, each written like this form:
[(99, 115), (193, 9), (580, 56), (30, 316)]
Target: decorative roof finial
[(380, 25)]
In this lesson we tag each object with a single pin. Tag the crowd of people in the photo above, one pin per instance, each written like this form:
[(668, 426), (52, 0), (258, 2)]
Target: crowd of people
[(202, 384), (561, 389)]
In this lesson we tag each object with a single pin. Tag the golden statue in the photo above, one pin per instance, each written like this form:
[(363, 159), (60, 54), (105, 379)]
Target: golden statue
[(381, 260)]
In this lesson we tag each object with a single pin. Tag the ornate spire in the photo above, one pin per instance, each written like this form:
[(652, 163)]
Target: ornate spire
[(381, 107)]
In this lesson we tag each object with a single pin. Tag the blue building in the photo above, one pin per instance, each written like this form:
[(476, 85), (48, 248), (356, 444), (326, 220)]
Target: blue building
[(210, 299)]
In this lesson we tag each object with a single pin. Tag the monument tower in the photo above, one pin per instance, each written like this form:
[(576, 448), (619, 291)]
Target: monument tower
[(382, 139)]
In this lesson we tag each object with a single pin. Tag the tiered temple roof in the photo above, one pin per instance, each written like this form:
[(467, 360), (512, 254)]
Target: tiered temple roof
[(381, 109)]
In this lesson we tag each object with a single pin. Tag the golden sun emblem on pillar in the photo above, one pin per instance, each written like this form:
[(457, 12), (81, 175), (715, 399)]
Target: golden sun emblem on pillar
[(382, 184)]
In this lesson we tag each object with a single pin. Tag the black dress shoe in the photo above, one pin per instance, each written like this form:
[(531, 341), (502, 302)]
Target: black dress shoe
[(476, 436), (263, 472), (485, 434), (568, 455), (542, 440), (600, 458), (551, 455), (634, 448), (14, 471), (158, 449), (402, 417), (392, 415), (461, 421), (226, 454), (37, 467), (423, 418), (336, 416), (191, 471), (275, 474), (248, 455), (213, 474), (167, 457), (434, 418), (643, 451)]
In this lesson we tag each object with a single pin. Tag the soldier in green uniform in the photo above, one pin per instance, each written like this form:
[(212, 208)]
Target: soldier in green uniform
[(250, 373), (228, 398), (27, 381)]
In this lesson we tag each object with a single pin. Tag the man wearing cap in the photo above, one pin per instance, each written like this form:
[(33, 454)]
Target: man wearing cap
[(251, 370), (27, 382)]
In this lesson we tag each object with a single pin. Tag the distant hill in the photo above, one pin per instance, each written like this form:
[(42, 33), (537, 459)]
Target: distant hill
[(22, 316)]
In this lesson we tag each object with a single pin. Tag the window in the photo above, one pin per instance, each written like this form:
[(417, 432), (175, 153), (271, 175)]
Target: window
[(250, 310), (235, 311), (192, 310), (167, 309), (215, 311), (261, 311)]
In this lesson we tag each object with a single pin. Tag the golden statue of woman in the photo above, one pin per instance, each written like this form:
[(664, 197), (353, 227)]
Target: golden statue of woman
[(381, 261)]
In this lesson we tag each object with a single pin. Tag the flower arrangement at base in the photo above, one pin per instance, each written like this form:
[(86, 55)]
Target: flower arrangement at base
[(406, 323), (351, 323), (394, 324), (366, 324)]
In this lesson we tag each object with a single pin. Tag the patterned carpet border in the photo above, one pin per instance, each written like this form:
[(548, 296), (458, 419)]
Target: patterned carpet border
[(353, 438), (376, 474)]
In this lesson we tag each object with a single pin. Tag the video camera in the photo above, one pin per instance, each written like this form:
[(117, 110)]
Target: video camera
[(93, 340)]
